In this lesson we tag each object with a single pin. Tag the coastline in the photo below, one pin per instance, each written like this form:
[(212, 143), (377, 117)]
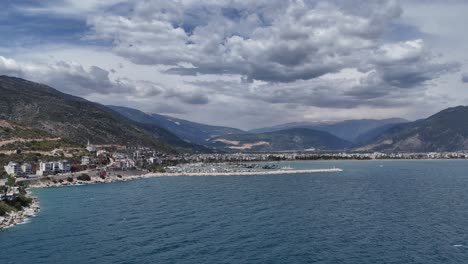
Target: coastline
[(246, 173), (110, 179), (19, 217)]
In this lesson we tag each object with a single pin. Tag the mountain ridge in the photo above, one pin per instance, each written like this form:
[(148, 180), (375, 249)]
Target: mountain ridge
[(42, 107), (189, 131), (446, 130), (294, 139), (350, 130)]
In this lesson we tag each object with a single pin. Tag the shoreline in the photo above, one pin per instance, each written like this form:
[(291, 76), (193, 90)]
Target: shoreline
[(110, 179), (19, 217), (242, 173)]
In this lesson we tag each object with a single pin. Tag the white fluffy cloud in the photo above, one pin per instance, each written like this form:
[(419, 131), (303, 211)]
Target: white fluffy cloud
[(223, 62), (278, 41), (78, 80)]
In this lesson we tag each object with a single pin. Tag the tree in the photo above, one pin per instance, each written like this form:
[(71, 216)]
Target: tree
[(11, 181), (84, 177)]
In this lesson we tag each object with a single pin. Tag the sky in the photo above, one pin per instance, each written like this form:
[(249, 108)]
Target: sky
[(245, 64)]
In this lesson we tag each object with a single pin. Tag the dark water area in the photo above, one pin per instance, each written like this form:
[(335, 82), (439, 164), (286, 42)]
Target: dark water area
[(372, 212)]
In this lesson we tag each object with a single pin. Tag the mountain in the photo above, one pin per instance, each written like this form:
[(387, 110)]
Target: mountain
[(444, 131), (76, 119), (13, 132), (186, 130), (14, 137), (371, 135), (295, 139), (351, 130)]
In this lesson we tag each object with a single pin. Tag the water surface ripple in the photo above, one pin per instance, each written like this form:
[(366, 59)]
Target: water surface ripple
[(373, 212)]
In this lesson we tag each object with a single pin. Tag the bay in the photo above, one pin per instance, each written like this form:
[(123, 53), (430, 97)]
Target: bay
[(372, 212)]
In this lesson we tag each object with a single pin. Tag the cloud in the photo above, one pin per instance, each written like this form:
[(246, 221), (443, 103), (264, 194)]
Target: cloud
[(257, 40), (244, 63), (465, 78), (75, 79), (272, 41)]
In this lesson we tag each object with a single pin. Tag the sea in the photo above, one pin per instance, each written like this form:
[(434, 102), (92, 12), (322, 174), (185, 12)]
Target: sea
[(372, 212)]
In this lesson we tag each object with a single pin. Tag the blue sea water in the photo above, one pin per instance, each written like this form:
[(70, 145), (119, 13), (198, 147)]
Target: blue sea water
[(372, 212)]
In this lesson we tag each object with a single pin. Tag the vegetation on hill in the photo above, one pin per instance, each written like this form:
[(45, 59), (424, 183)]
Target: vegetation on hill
[(40, 145), (444, 131), (12, 132), (44, 108)]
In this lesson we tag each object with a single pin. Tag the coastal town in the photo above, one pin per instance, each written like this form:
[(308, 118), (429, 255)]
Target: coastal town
[(112, 163), (105, 160)]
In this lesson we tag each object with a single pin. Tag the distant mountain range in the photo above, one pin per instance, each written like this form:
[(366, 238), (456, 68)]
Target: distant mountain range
[(294, 139), (350, 130), (42, 109), (189, 131)]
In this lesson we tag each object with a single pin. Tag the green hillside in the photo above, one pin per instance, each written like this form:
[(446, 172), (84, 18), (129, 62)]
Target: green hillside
[(444, 131), (75, 119)]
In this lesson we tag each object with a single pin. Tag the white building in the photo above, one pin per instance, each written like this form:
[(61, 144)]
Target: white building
[(51, 168), (45, 168), (26, 169), (13, 169), (64, 166), (86, 160), (91, 148), (124, 164), (101, 152), (154, 160)]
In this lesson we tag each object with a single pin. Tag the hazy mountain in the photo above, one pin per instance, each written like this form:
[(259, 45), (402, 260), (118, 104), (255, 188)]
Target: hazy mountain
[(444, 131), (371, 135), (350, 130), (74, 118), (186, 130), (284, 140)]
